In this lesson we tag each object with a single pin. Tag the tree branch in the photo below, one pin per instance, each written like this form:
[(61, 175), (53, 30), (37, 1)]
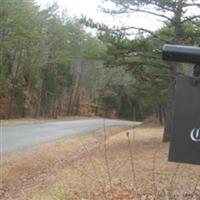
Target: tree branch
[(190, 18), (149, 63), (152, 13), (196, 24), (192, 4), (144, 30), (127, 9)]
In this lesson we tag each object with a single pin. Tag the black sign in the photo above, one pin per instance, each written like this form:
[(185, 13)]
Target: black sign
[(185, 141)]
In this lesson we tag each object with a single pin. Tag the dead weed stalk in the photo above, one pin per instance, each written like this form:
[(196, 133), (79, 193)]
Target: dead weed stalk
[(131, 158), (106, 158)]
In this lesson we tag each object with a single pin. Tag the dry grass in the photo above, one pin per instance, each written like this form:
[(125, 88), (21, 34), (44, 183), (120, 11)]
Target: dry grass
[(28, 171), (102, 165)]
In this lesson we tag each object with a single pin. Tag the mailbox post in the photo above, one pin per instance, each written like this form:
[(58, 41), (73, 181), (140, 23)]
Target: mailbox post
[(185, 140)]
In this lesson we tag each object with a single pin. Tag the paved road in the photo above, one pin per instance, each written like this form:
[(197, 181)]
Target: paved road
[(17, 137)]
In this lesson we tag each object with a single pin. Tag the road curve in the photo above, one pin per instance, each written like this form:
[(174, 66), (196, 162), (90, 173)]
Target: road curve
[(17, 137)]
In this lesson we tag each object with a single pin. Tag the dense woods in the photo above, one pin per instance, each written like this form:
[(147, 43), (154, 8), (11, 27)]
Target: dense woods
[(50, 66), (43, 70)]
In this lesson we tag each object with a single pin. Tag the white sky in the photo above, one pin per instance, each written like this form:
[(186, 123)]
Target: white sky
[(91, 9)]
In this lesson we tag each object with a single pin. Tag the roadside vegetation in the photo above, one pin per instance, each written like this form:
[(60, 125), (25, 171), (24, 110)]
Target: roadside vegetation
[(107, 164)]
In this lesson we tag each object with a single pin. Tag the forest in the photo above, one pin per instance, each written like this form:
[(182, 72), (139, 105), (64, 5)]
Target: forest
[(51, 66)]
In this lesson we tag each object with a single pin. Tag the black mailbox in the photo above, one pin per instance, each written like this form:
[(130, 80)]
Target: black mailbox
[(180, 53), (185, 139)]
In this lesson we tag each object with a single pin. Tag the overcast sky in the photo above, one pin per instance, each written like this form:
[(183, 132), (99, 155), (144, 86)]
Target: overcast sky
[(91, 8)]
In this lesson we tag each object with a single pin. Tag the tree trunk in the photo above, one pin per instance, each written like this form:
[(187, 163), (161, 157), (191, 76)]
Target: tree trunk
[(160, 115), (168, 129), (74, 96), (173, 72)]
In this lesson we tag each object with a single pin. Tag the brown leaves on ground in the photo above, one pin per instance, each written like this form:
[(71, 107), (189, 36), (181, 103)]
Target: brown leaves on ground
[(100, 166)]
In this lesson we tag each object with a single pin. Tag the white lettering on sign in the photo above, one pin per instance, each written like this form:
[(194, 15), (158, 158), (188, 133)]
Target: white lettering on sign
[(195, 134)]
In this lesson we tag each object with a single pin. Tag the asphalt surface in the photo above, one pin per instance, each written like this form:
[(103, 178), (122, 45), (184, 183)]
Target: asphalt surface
[(17, 137)]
